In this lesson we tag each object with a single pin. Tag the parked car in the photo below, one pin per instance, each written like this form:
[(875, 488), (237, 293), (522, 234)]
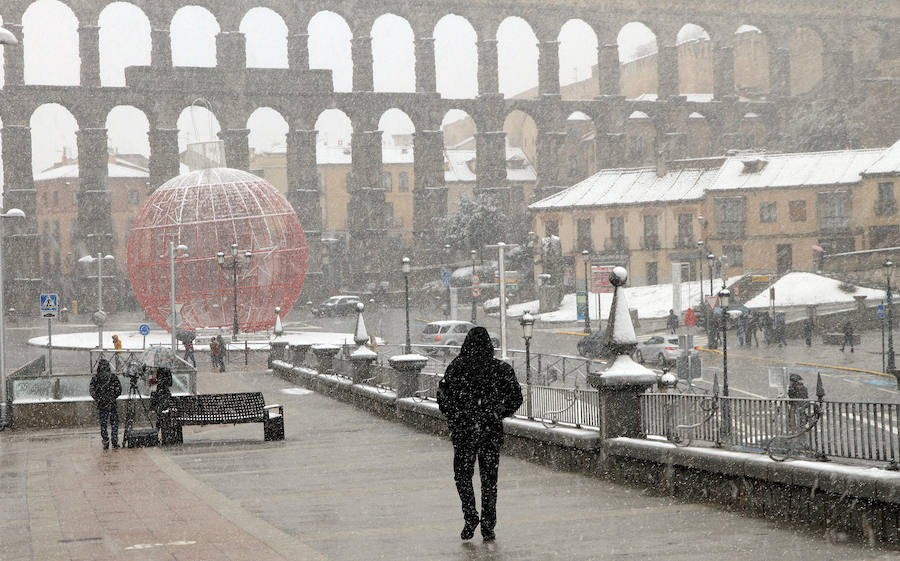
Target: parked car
[(661, 349), (340, 305), (449, 333), (591, 345)]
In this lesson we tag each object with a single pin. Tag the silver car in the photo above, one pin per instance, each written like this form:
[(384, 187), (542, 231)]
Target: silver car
[(448, 333), (662, 349)]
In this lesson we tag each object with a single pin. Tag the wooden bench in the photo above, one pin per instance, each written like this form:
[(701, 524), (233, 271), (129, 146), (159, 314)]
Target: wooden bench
[(222, 408)]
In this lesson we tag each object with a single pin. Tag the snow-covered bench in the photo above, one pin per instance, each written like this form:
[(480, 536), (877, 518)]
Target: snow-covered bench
[(222, 408)]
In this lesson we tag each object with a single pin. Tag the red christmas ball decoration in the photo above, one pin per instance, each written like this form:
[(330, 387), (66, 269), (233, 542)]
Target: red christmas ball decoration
[(208, 211)]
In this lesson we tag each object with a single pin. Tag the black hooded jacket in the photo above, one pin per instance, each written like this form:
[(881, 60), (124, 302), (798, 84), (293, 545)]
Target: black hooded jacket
[(478, 390), (105, 386)]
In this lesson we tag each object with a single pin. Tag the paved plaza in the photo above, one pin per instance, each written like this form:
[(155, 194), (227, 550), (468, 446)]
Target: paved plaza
[(344, 485)]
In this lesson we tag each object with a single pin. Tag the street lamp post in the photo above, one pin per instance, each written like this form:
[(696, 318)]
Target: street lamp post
[(700, 268), (709, 259), (234, 265), (527, 323), (100, 316), (724, 301), (587, 292), (172, 249), (11, 213), (405, 268), (474, 300), (891, 365)]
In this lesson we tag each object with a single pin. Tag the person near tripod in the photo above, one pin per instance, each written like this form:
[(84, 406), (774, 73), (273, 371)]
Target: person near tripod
[(105, 389)]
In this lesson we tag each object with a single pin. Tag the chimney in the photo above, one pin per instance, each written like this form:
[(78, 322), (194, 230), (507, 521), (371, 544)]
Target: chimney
[(660, 163)]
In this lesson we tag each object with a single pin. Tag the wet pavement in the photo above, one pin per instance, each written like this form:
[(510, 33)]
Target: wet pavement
[(344, 485)]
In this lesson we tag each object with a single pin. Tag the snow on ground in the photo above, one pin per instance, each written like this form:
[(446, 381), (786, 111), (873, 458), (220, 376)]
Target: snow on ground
[(134, 341), (805, 289)]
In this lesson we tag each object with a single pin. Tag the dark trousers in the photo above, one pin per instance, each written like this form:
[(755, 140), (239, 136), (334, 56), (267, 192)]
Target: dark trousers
[(111, 416), (847, 339), (189, 355), (486, 449)]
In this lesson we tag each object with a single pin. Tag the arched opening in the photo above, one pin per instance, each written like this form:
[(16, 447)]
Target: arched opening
[(695, 60), (456, 57), (578, 71), (579, 153), (329, 48), (638, 50), (806, 60), (54, 162), (193, 35), (268, 147), (751, 62), (393, 55), (334, 161), (397, 170), (521, 140), (698, 136), (640, 139), (517, 58), (460, 163), (50, 31), (124, 41), (265, 36), (753, 131), (197, 124)]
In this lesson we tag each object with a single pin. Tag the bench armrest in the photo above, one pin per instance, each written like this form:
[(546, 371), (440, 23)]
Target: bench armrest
[(269, 408), (274, 406)]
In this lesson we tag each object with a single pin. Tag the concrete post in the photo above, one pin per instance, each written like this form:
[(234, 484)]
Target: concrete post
[(89, 51), (298, 353), (609, 69), (548, 68), (488, 78), (426, 74), (325, 357), (362, 359), (363, 74), (408, 368), (277, 350)]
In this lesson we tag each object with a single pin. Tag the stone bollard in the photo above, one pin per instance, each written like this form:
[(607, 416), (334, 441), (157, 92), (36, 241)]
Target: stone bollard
[(408, 368), (362, 359), (325, 357), (298, 353), (277, 351)]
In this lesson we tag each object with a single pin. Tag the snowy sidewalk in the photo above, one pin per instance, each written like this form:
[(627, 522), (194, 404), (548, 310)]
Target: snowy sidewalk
[(344, 485)]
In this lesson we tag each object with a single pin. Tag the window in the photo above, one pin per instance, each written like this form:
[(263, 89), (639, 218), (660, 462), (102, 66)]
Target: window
[(616, 233), (886, 191), (652, 276), (44, 198), (768, 212), (403, 185), (884, 236), (583, 228), (551, 228), (833, 208), (56, 230), (651, 232), (133, 197), (734, 254), (55, 198), (636, 148), (886, 205), (387, 181), (685, 231), (797, 211), (573, 166), (730, 216)]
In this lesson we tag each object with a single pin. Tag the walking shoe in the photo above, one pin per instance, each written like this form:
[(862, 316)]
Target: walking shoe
[(115, 444), (488, 535), (106, 445), (468, 530)]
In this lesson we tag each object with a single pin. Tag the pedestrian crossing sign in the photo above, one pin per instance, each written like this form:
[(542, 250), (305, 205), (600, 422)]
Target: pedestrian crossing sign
[(49, 305)]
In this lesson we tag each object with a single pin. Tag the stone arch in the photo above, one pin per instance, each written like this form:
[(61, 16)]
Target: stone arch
[(124, 41), (51, 58), (187, 24), (265, 33), (196, 123), (579, 151), (53, 139), (460, 164), (398, 161), (456, 54), (329, 48), (393, 54), (638, 48), (578, 70), (334, 160), (751, 62), (753, 131), (807, 47), (522, 133), (517, 58), (127, 128), (695, 60), (267, 141)]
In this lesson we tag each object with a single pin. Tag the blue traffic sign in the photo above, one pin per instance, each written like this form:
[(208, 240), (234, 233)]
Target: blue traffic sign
[(49, 303), (445, 277), (144, 329), (880, 312)]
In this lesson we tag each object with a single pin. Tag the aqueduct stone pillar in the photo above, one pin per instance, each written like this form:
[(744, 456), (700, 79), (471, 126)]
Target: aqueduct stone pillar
[(548, 68), (430, 191), (488, 78), (164, 162), (490, 177), (723, 72), (426, 74), (366, 211), (231, 50), (161, 50), (298, 51), (21, 239), (237, 148), (304, 196), (363, 73), (667, 70), (14, 60), (780, 73), (549, 166), (94, 230), (89, 51), (837, 73), (608, 67)]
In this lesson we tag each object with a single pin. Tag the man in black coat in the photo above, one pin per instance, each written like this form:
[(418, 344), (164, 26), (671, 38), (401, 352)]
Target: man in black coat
[(476, 393), (105, 389)]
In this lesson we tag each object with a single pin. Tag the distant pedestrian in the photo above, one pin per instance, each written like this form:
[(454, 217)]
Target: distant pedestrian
[(848, 335), (752, 329), (220, 341), (117, 343), (476, 393), (808, 331), (780, 329), (105, 389), (189, 352), (797, 390), (741, 329), (672, 322), (214, 353), (768, 328), (690, 320)]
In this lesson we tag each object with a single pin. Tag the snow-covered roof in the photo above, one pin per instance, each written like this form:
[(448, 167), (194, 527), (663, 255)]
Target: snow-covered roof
[(457, 166), (808, 169), (115, 168), (630, 186), (888, 163), (638, 115)]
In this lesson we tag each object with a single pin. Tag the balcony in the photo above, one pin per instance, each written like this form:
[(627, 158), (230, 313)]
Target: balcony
[(650, 242), (616, 244), (731, 230), (685, 242), (886, 207)]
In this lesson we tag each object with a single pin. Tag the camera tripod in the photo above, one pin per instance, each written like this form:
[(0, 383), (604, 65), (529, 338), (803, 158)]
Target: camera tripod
[(134, 438)]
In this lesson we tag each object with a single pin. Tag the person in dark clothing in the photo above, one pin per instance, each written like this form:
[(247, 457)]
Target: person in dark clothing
[(189, 353), (768, 327), (752, 328), (848, 335), (672, 322), (797, 390), (105, 389), (808, 331), (475, 394)]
